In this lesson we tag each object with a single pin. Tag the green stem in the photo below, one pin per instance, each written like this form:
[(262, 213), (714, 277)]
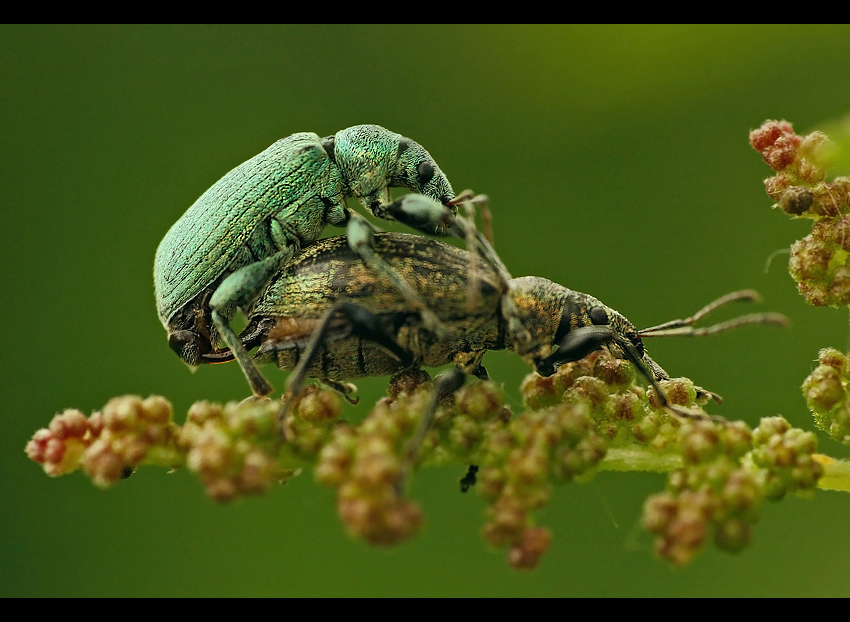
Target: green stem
[(639, 459), (836, 474)]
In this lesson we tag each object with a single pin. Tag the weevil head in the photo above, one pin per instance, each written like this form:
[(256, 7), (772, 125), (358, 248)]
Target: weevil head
[(373, 159), (551, 313), (191, 334), (189, 346), (417, 171)]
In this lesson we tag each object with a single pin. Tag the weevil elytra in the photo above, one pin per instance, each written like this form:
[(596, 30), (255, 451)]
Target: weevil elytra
[(327, 315), (221, 253)]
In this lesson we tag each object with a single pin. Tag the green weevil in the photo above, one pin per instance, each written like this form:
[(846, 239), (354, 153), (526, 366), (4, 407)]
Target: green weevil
[(327, 315), (221, 253)]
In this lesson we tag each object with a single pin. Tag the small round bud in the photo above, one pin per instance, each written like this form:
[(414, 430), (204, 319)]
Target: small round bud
[(481, 400), (733, 535), (839, 288), (775, 186), (809, 260), (534, 543), (809, 172), (781, 155), (316, 405), (769, 132), (823, 389), (832, 358), (700, 442)]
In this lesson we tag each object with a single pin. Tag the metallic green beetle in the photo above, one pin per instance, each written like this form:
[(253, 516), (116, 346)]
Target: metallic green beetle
[(220, 254)]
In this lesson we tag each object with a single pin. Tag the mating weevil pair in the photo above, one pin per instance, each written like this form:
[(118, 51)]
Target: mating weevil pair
[(355, 306), (221, 253)]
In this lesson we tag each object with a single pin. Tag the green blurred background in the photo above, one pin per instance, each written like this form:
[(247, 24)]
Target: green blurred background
[(617, 162)]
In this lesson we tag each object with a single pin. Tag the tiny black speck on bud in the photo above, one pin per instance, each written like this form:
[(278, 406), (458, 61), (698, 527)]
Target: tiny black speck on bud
[(470, 479), (796, 200)]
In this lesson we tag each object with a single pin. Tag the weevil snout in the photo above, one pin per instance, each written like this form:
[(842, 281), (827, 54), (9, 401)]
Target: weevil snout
[(189, 346)]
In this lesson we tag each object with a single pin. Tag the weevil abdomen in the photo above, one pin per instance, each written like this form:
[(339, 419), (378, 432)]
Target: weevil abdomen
[(229, 224)]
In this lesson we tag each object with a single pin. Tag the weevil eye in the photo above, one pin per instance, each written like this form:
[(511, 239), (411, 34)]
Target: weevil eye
[(598, 316), (424, 173)]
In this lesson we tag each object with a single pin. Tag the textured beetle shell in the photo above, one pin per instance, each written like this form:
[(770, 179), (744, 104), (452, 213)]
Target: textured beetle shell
[(204, 243), (328, 270)]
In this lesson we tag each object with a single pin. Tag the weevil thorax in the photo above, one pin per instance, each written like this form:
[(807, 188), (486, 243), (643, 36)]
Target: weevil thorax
[(549, 311), (372, 159)]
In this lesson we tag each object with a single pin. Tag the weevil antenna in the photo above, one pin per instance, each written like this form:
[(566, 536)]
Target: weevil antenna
[(685, 328), (446, 382)]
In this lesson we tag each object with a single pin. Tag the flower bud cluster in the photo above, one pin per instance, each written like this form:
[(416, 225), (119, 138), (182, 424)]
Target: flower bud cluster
[(786, 456), (521, 462), (618, 413), (370, 464), (825, 390), (573, 420), (367, 466), (819, 262), (59, 447), (110, 444), (234, 448), (729, 471), (712, 495), (623, 411)]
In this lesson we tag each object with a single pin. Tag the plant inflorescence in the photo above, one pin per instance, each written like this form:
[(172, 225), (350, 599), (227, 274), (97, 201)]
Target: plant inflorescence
[(589, 416)]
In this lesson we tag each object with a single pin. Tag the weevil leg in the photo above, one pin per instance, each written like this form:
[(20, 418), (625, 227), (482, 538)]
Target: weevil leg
[(361, 240), (345, 389), (480, 372), (517, 332), (469, 362), (364, 324), (646, 371), (481, 202), (473, 288), (429, 216), (473, 203), (659, 374), (239, 290), (446, 382), (583, 340), (421, 213)]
